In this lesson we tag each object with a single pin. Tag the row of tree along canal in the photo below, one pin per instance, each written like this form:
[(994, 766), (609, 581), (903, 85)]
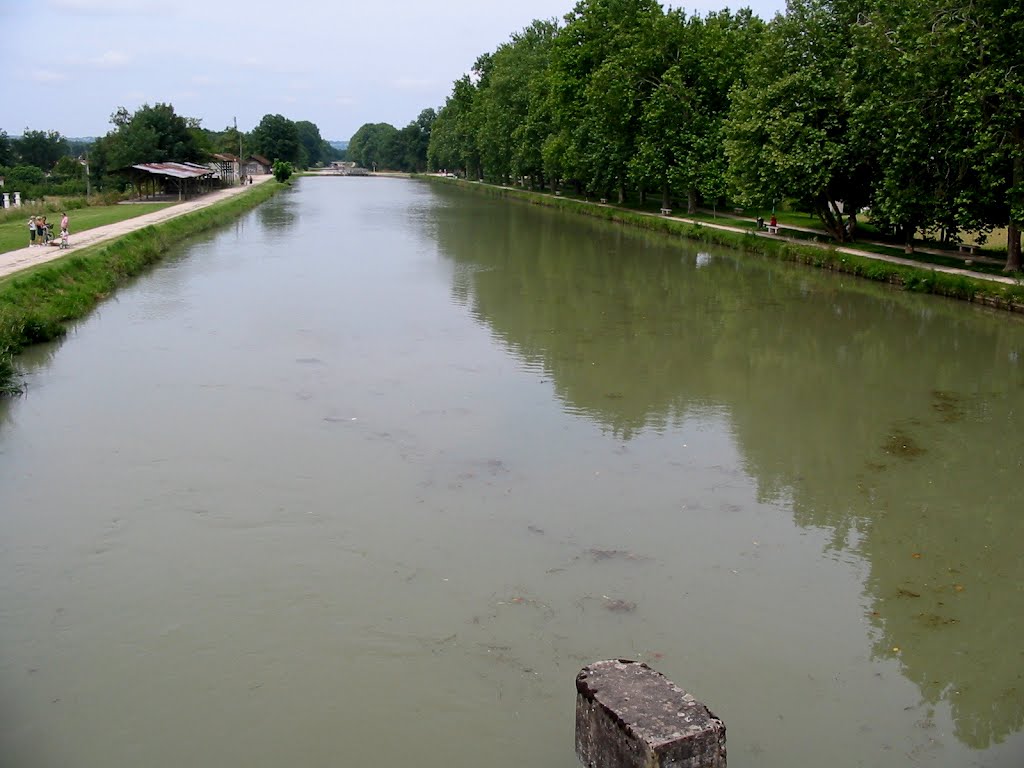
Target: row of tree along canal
[(911, 108)]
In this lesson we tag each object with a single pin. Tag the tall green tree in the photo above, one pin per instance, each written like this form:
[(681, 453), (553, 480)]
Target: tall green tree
[(152, 134), (372, 146), (603, 66), (276, 138), (788, 132), (680, 145), (40, 148), (312, 144), (512, 120), (6, 152), (453, 140), (409, 151), (903, 102), (989, 35)]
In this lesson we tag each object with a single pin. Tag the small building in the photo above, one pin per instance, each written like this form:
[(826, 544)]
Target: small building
[(258, 165), (226, 166), (169, 179)]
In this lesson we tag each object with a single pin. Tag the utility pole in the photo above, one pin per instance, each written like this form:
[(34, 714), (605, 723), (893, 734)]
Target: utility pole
[(239, 149)]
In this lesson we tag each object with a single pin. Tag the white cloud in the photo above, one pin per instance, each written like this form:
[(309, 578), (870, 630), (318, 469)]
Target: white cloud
[(105, 7), (110, 59), (46, 76)]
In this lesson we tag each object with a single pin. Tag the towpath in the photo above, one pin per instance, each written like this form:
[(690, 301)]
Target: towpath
[(23, 258), (1005, 279)]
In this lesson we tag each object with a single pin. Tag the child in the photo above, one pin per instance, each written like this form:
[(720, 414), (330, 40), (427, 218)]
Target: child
[(64, 238)]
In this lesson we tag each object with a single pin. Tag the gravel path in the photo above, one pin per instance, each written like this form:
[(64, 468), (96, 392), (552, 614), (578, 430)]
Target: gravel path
[(15, 261)]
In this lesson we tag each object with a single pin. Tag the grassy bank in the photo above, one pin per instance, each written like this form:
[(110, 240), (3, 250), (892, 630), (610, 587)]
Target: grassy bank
[(37, 304), (917, 279), (14, 231)]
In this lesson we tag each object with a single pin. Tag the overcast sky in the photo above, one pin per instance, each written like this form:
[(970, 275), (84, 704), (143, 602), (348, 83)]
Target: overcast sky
[(69, 64)]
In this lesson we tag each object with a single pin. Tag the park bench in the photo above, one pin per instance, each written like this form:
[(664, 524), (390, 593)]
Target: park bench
[(772, 230), (965, 248), (666, 211)]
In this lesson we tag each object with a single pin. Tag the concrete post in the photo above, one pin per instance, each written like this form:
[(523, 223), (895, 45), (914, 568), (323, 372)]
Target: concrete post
[(629, 716), (17, 199), (7, 200)]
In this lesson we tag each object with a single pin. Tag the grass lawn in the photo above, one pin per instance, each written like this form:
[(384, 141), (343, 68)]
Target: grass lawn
[(14, 231)]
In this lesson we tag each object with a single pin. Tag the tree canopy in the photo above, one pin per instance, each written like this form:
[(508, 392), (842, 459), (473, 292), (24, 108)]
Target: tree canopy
[(382, 146), (911, 108), (277, 138)]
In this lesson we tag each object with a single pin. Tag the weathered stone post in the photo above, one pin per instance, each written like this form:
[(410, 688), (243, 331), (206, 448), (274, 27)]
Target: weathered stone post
[(17, 199), (630, 716), (7, 200)]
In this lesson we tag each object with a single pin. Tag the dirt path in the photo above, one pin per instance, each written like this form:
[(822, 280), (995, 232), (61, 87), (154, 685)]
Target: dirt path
[(1006, 280), (15, 261)]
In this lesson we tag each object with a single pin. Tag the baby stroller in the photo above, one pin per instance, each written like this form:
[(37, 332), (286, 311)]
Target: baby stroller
[(47, 235)]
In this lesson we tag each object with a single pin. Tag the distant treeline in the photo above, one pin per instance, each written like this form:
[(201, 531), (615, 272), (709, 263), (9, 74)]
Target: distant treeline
[(381, 145), (42, 163), (914, 108)]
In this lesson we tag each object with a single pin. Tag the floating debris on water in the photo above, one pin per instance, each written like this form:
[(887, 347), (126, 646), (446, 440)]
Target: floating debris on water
[(899, 443), (618, 606), (546, 609), (906, 593), (614, 554), (947, 405), (535, 529)]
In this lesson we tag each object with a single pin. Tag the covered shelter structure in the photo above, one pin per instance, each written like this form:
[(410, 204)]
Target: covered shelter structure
[(169, 179), (226, 166)]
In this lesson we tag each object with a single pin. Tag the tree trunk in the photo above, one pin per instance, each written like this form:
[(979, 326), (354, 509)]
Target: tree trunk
[(833, 226), (691, 200), (1012, 248), (1017, 182), (622, 193), (643, 196), (665, 200)]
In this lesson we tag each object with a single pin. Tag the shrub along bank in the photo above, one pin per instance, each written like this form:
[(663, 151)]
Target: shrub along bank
[(917, 279), (36, 305)]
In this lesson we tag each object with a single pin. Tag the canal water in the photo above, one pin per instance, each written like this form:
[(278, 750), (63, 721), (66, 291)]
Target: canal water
[(366, 477)]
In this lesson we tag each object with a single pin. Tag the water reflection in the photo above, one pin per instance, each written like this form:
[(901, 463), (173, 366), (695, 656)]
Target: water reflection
[(891, 420)]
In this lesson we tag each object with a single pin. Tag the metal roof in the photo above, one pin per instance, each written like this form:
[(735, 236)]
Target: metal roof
[(175, 170)]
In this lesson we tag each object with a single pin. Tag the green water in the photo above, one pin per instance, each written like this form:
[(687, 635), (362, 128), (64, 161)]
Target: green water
[(365, 479)]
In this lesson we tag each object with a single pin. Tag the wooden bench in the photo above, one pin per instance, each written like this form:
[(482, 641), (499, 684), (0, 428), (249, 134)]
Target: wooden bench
[(666, 211), (965, 248), (772, 230), (604, 201)]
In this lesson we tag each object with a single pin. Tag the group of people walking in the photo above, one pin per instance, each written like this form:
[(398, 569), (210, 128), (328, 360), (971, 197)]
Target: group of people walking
[(39, 229)]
